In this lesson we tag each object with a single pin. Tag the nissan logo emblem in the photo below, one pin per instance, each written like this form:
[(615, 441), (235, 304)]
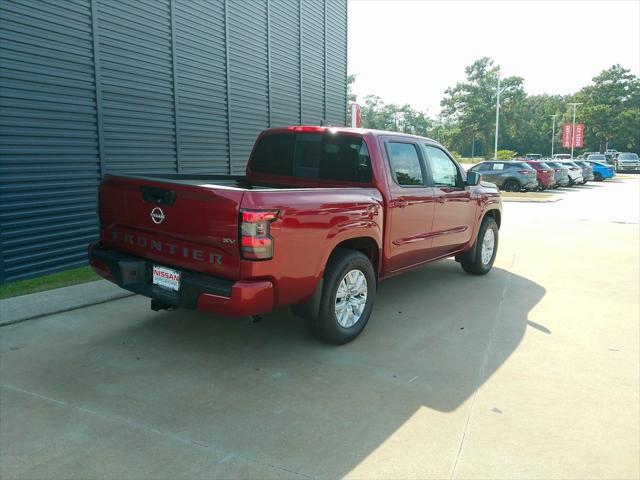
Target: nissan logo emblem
[(157, 215)]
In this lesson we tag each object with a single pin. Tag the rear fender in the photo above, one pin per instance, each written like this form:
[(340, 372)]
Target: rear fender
[(349, 235), (343, 233)]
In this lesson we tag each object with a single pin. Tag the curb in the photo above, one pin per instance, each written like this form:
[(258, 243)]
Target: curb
[(530, 200), (34, 305)]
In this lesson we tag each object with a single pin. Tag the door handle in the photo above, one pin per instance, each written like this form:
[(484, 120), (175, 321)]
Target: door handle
[(400, 203), (441, 199)]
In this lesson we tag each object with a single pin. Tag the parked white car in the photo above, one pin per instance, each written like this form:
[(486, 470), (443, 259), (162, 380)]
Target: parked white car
[(575, 173)]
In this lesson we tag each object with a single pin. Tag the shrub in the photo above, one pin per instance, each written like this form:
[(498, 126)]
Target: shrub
[(506, 154)]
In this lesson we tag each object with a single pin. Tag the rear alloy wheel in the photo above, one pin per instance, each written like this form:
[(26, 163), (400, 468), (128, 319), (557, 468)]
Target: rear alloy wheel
[(351, 298), (479, 260), (511, 186), (348, 294)]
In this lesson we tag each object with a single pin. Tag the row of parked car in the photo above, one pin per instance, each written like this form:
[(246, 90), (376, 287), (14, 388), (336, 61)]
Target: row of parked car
[(622, 161), (542, 174)]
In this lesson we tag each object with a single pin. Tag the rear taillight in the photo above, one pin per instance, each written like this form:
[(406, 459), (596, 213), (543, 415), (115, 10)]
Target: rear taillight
[(558, 170), (255, 241), (525, 172), (573, 168)]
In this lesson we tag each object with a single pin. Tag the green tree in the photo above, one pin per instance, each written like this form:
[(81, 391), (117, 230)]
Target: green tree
[(471, 105), (351, 97), (533, 126), (397, 118), (611, 109)]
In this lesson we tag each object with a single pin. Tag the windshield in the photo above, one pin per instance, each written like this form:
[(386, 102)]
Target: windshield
[(628, 156), (313, 155), (596, 157)]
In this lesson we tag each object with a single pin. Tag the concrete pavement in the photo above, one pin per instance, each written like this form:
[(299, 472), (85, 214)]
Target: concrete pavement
[(529, 372), (33, 305)]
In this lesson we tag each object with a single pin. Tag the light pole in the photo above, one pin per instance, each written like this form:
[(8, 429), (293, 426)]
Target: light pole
[(495, 146), (473, 147), (499, 91), (553, 131), (573, 127)]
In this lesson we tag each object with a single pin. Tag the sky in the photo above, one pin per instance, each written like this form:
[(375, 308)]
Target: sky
[(410, 51)]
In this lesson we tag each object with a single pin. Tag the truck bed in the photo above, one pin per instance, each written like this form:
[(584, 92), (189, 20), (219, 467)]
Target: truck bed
[(192, 222), (204, 180)]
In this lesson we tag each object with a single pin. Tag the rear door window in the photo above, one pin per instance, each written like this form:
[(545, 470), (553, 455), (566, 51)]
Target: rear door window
[(483, 167), (405, 164), (524, 166)]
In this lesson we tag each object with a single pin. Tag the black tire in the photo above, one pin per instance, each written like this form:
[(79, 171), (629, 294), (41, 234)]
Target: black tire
[(472, 260), (326, 326), (597, 177), (511, 186)]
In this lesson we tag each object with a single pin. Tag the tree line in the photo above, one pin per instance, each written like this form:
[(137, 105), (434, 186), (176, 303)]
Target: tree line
[(610, 111)]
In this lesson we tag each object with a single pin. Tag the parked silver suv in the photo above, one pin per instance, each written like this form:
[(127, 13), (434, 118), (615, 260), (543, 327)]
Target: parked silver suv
[(562, 173), (587, 170), (508, 175)]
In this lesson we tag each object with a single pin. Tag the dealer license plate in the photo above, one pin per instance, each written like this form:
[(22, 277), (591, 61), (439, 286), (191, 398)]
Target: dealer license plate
[(166, 278)]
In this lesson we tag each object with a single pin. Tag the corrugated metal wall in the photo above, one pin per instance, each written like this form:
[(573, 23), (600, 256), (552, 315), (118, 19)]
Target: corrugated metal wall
[(95, 86), (49, 155)]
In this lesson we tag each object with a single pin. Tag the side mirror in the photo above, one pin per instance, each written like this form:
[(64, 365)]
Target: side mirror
[(473, 179)]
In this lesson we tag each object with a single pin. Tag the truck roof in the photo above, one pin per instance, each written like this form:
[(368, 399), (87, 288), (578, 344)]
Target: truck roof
[(352, 130)]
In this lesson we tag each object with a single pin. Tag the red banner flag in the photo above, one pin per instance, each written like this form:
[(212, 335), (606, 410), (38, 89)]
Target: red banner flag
[(566, 135), (355, 115), (578, 138)]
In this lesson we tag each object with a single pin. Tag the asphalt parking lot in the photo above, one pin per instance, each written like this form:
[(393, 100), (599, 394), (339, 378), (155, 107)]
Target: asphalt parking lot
[(529, 372)]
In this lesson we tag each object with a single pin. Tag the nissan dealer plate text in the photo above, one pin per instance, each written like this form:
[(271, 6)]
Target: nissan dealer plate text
[(166, 277)]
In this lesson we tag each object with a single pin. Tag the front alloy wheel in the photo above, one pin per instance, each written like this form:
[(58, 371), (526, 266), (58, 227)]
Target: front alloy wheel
[(488, 245), (480, 258)]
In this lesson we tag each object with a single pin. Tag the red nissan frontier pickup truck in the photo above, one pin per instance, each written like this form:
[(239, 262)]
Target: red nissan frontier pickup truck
[(322, 215)]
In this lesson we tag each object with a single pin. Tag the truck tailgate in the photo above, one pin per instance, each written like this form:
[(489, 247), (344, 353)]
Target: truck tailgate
[(177, 224)]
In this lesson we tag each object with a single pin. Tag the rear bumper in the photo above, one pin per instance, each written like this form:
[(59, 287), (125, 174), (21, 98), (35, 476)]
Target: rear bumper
[(546, 182), (197, 291), (577, 179)]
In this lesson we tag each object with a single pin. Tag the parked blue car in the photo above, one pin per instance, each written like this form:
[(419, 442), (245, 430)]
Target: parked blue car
[(602, 171)]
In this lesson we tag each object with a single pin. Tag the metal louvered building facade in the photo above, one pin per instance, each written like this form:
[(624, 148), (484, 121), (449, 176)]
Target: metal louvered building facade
[(165, 86)]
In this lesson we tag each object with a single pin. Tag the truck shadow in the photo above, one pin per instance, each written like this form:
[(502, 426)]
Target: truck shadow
[(270, 391)]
